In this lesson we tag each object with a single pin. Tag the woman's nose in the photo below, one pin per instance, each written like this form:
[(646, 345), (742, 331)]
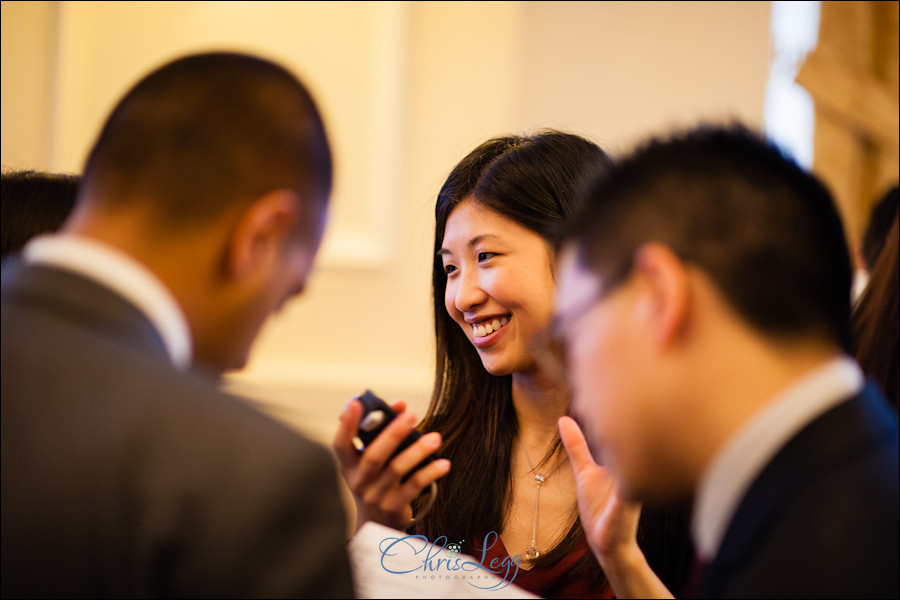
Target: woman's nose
[(469, 292)]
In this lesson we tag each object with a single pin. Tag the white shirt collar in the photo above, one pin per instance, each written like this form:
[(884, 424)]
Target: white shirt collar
[(123, 275), (739, 462)]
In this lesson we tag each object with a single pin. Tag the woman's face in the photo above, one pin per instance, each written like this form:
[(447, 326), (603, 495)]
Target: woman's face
[(500, 287)]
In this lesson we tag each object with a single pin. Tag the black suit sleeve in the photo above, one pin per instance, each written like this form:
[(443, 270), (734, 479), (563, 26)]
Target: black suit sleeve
[(665, 537), (269, 521)]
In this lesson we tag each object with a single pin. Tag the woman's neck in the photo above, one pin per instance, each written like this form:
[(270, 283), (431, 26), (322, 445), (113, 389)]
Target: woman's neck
[(539, 402)]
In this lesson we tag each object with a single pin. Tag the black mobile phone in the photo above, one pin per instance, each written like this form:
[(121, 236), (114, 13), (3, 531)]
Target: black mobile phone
[(376, 416)]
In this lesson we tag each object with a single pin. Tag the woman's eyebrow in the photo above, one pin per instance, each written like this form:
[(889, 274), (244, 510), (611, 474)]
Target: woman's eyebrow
[(471, 243)]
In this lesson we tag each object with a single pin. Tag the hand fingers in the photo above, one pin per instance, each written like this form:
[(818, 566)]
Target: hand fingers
[(373, 476), (424, 476), (377, 454), (426, 445), (417, 482), (347, 428), (379, 450), (403, 463), (576, 444), (348, 425)]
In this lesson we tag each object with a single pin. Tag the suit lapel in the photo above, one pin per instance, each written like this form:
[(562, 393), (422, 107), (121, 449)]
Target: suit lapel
[(846, 429)]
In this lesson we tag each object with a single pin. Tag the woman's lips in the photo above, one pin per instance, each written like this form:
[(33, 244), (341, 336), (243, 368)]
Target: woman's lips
[(486, 332)]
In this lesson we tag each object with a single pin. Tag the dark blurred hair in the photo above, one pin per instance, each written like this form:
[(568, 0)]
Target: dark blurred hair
[(876, 319), (725, 200), (533, 180), (34, 202), (206, 132), (879, 224)]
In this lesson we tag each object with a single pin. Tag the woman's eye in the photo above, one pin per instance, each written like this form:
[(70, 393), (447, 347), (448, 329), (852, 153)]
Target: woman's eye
[(483, 256), (449, 269)]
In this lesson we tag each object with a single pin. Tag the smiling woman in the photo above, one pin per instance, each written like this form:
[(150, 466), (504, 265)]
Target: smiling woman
[(499, 286), (495, 406)]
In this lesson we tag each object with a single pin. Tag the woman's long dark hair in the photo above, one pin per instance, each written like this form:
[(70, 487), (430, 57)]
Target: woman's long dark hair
[(876, 319), (534, 180)]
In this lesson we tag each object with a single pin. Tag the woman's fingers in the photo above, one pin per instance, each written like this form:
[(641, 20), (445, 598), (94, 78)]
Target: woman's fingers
[(375, 476), (394, 471), (348, 424), (576, 445), (403, 496)]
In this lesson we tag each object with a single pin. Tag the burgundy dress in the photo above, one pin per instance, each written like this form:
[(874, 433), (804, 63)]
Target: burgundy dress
[(553, 582)]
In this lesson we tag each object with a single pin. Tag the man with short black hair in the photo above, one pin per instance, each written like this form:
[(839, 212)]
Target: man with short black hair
[(126, 472), (704, 300)]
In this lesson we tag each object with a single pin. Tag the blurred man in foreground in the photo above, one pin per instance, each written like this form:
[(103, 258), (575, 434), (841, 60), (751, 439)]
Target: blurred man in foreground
[(125, 471), (704, 299)]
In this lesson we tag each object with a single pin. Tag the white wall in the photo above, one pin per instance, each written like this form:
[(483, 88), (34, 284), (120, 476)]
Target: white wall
[(407, 89)]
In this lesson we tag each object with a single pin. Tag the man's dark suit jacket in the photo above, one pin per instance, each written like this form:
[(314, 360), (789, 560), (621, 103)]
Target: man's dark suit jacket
[(123, 477), (821, 521)]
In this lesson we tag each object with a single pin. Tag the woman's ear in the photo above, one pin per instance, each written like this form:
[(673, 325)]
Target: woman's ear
[(262, 232), (666, 292)]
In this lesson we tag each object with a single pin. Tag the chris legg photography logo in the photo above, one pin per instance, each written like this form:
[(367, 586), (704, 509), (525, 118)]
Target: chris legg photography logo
[(414, 555)]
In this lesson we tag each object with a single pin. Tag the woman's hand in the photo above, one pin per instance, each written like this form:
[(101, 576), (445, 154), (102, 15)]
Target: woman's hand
[(610, 523), (373, 479)]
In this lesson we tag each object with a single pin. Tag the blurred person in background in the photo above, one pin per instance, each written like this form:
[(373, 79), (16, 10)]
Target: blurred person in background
[(32, 203)]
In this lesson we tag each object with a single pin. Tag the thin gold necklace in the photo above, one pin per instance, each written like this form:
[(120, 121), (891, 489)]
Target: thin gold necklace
[(532, 552)]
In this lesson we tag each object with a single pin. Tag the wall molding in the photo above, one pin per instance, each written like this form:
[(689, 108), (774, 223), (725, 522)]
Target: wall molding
[(365, 91)]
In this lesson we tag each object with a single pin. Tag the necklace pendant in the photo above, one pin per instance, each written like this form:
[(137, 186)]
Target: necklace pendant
[(531, 552), (539, 479)]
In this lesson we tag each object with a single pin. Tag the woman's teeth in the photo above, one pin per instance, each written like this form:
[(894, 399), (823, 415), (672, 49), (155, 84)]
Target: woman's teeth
[(489, 327)]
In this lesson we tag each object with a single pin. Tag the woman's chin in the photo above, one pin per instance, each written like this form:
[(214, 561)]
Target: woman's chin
[(497, 368)]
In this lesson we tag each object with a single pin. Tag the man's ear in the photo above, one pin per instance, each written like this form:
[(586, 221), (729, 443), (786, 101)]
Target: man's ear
[(666, 291), (262, 231)]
